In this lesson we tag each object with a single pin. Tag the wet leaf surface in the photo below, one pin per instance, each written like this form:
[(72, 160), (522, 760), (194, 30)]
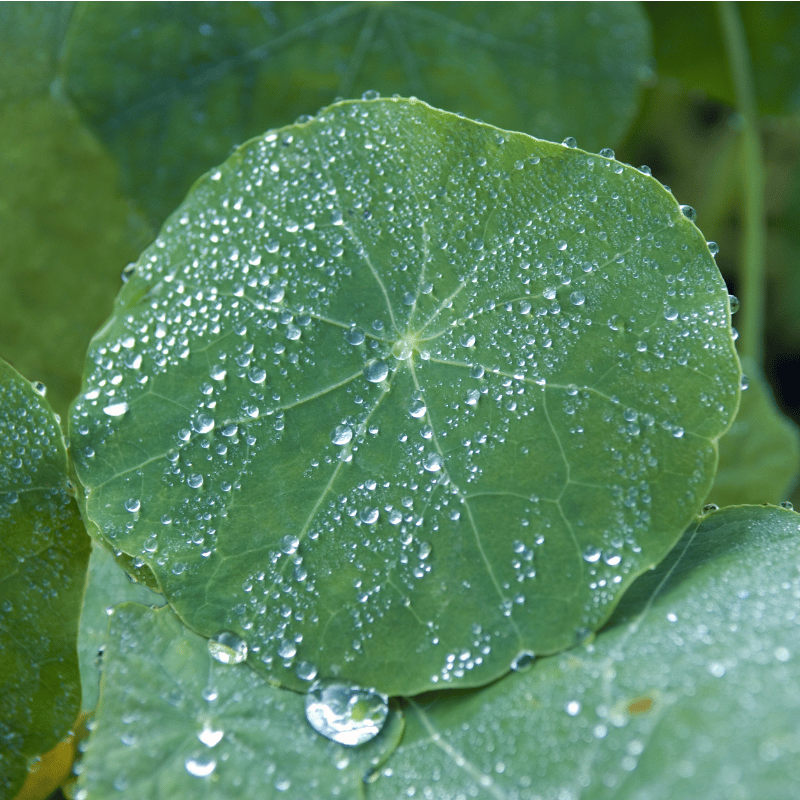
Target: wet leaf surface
[(189, 726), (691, 691), (42, 564), (172, 87), (402, 395)]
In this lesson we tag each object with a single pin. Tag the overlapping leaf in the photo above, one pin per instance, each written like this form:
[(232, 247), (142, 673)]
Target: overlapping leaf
[(691, 692), (172, 87), (42, 563), (404, 395), (188, 726)]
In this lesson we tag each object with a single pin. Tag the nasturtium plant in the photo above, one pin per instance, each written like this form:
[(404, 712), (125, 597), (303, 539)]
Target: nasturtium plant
[(43, 556), (399, 397)]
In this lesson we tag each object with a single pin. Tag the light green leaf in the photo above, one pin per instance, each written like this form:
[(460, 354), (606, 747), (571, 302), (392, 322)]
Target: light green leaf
[(172, 87), (106, 586), (42, 564), (692, 691), (188, 726), (759, 457), (408, 394)]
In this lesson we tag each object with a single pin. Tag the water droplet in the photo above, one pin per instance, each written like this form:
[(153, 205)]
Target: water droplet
[(467, 340), (209, 736), (591, 554), (713, 248), (227, 647), (577, 298), (670, 314), (203, 424), (369, 516), (570, 141), (689, 213), (523, 661), (39, 388), (305, 670), (116, 409), (376, 371), (257, 375), (289, 544), (201, 764), (344, 712), (355, 336), (370, 94), (132, 505), (341, 434), (418, 409), (734, 301), (195, 480), (573, 708), (275, 294), (709, 507), (433, 462), (287, 649), (473, 395), (607, 152), (787, 505), (744, 382)]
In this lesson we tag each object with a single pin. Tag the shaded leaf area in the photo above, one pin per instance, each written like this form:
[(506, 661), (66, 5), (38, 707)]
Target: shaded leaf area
[(402, 395), (172, 87), (691, 691), (173, 722), (759, 456), (66, 233), (106, 587), (43, 559), (31, 35), (696, 54)]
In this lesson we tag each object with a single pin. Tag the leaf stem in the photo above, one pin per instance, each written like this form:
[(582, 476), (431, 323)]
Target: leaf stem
[(753, 181)]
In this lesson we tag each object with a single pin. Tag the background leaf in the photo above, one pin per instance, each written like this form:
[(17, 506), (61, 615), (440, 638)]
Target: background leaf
[(369, 400), (66, 233), (189, 726), (42, 563), (172, 87), (690, 691), (759, 456)]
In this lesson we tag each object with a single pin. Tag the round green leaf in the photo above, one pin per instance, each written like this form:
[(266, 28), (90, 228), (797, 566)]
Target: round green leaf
[(172, 87), (692, 692), (173, 722), (403, 395), (42, 563)]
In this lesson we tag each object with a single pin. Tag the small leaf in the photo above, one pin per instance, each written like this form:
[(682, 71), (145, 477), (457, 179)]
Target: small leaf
[(404, 395), (106, 586), (188, 726), (42, 564), (759, 457), (172, 87), (691, 691)]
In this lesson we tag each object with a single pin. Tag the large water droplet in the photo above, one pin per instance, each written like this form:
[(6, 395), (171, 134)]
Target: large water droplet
[(341, 434), (523, 661), (345, 712), (200, 764), (734, 301), (376, 371), (433, 462), (204, 423), (355, 336), (228, 647), (116, 409), (689, 213)]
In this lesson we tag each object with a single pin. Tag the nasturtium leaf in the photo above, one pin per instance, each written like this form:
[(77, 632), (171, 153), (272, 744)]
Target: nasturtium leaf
[(174, 722), (402, 395), (106, 586), (172, 87), (694, 692), (42, 563), (759, 456)]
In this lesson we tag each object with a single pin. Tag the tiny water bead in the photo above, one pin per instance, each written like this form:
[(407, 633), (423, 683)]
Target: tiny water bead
[(345, 712), (227, 647)]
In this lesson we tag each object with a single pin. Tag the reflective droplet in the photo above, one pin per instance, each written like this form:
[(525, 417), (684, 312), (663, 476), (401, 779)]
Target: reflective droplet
[(607, 152), (287, 649), (369, 516), (570, 141), (341, 434), (209, 736), (132, 505), (744, 382), (670, 314), (787, 505), (577, 298), (201, 764), (713, 248), (734, 301), (289, 544), (709, 507), (116, 409), (573, 708), (473, 395), (305, 670), (203, 424), (39, 388), (344, 712), (523, 661), (689, 213), (355, 336), (195, 480), (376, 371), (433, 462), (591, 554), (418, 409), (228, 647)]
